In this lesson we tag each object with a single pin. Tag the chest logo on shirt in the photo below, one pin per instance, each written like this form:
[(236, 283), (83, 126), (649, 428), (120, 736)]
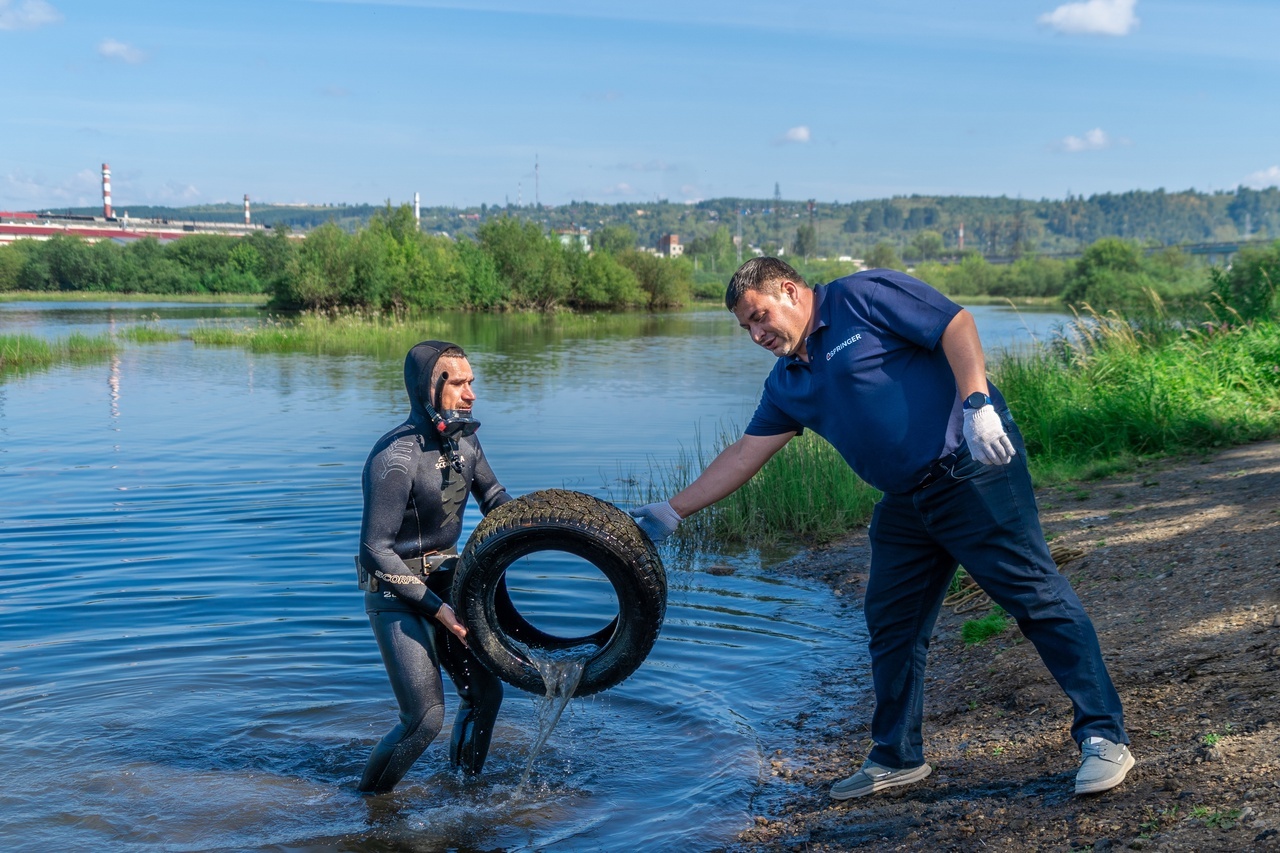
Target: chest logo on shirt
[(838, 347), (443, 463)]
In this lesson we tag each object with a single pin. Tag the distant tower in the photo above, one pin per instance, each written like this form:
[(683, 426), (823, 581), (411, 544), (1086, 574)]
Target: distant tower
[(961, 236), (246, 208), (417, 212), (106, 190), (537, 188)]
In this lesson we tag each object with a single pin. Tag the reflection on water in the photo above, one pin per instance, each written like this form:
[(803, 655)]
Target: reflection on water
[(186, 663)]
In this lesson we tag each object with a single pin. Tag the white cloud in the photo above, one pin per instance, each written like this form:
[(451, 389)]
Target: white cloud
[(35, 192), (1095, 140), (1093, 17), (799, 134), (112, 49), (27, 15), (622, 189), (174, 192), (1265, 178)]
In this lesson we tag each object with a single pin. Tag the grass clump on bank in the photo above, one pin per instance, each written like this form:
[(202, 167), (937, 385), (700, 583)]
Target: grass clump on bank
[(111, 296), (28, 352), (975, 631)]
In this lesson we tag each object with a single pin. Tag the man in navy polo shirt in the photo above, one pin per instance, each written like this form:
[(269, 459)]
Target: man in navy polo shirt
[(892, 373)]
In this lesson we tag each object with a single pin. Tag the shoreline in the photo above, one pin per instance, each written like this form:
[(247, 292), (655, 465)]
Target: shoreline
[(1179, 569)]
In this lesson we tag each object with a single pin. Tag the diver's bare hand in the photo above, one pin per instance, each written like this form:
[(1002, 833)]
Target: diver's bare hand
[(446, 617)]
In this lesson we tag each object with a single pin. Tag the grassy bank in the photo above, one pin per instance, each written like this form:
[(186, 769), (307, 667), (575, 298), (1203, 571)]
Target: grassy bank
[(27, 352), (102, 296), (1101, 399)]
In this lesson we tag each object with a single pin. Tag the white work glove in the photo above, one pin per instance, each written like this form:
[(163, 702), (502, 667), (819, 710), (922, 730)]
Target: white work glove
[(658, 521), (985, 435)]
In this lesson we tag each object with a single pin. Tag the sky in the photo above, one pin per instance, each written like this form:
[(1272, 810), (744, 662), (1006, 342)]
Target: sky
[(551, 101)]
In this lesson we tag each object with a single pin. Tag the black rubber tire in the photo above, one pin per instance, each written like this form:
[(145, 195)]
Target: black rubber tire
[(576, 523)]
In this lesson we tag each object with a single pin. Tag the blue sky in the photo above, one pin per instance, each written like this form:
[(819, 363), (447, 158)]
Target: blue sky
[(329, 101)]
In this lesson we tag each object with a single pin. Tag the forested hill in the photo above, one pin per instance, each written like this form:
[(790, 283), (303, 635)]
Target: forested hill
[(992, 225)]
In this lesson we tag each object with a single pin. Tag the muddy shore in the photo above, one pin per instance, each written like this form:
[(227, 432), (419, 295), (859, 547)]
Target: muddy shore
[(1178, 565)]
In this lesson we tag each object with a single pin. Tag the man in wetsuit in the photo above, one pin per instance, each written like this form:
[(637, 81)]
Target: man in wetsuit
[(892, 373), (415, 483)]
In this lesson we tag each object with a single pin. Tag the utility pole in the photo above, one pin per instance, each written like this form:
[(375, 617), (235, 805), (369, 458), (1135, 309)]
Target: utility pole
[(813, 226), (739, 240), (537, 196), (777, 223)]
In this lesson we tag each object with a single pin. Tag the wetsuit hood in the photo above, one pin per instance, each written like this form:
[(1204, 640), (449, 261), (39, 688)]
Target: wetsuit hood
[(424, 397), (419, 365)]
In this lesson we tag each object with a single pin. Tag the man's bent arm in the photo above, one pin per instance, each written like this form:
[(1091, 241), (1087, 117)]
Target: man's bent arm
[(961, 345), (736, 464)]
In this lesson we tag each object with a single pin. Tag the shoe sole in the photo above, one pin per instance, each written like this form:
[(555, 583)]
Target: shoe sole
[(915, 775), (1110, 782)]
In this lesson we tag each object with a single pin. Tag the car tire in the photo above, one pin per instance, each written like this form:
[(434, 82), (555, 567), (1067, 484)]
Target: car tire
[(579, 524)]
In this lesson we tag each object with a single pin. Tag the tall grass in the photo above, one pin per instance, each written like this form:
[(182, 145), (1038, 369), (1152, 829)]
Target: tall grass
[(28, 352), (806, 492), (1110, 391), (147, 333), (343, 334)]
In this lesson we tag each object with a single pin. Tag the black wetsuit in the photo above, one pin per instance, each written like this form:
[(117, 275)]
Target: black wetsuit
[(413, 502)]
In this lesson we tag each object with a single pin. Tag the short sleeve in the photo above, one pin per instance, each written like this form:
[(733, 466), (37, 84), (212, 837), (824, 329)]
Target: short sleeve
[(771, 420)]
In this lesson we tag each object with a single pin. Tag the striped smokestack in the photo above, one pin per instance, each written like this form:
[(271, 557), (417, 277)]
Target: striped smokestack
[(106, 190), (246, 208), (417, 213)]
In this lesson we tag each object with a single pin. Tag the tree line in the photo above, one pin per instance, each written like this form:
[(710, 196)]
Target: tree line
[(992, 225), (512, 264), (390, 265)]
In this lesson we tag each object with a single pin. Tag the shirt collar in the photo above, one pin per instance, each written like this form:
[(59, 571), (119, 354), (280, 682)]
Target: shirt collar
[(819, 304)]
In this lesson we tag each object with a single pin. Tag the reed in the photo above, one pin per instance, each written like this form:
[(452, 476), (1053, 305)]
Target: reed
[(1110, 392), (1107, 393), (806, 492), (28, 352), (342, 334)]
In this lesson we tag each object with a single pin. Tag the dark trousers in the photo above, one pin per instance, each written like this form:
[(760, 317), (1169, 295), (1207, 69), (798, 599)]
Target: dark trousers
[(413, 648), (983, 517)]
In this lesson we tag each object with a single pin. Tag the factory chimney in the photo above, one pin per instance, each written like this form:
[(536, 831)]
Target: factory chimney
[(962, 237), (246, 208), (417, 213), (106, 190)]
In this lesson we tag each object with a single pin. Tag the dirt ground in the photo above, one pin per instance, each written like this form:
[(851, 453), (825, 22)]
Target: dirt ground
[(1178, 567)]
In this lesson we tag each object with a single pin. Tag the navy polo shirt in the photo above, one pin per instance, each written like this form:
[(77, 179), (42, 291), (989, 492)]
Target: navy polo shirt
[(877, 384)]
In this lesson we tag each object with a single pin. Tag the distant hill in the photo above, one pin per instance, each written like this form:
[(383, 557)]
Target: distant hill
[(992, 225)]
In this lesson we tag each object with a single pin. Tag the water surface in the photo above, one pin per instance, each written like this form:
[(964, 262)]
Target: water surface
[(185, 662)]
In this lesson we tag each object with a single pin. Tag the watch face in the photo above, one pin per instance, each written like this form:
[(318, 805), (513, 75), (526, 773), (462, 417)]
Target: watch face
[(976, 400)]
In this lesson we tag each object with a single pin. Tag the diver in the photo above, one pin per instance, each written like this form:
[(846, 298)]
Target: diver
[(415, 484)]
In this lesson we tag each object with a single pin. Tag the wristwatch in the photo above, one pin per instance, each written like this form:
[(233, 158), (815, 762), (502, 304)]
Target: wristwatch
[(976, 400)]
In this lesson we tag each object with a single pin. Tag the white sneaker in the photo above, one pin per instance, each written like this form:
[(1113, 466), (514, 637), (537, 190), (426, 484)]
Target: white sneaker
[(1103, 765)]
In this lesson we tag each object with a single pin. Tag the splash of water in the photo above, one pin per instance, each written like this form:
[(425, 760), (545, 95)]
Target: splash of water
[(561, 671)]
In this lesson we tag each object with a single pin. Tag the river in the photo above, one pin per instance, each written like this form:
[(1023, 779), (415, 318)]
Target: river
[(184, 661)]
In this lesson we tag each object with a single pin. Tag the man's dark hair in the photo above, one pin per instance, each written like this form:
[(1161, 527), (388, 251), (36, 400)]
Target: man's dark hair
[(761, 274)]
